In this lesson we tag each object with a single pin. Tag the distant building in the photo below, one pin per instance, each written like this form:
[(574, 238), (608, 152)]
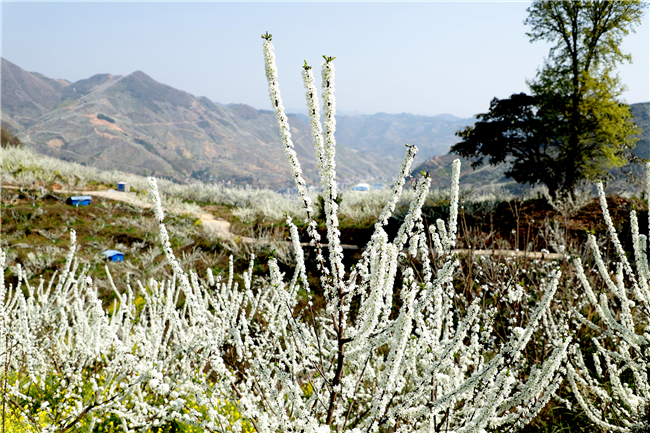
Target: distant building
[(79, 200), (361, 187), (123, 187), (378, 185), (113, 255)]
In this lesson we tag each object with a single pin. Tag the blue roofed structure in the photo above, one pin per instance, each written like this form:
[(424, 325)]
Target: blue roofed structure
[(361, 187), (79, 200), (114, 255)]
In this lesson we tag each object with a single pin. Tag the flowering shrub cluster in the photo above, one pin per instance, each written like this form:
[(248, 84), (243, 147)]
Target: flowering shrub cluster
[(26, 168), (394, 348), (362, 366), (68, 363), (612, 387)]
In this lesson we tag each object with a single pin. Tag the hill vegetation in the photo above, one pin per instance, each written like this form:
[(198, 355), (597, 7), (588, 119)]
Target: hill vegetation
[(8, 138)]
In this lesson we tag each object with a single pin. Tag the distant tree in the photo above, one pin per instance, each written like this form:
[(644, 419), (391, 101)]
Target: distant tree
[(9, 139), (572, 127), (101, 116), (513, 131)]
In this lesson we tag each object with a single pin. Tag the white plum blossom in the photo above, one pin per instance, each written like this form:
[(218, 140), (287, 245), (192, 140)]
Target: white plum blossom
[(622, 343), (368, 371)]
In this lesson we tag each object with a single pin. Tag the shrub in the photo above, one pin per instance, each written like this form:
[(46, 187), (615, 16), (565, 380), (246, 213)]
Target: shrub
[(8, 139), (106, 118), (609, 373), (361, 364)]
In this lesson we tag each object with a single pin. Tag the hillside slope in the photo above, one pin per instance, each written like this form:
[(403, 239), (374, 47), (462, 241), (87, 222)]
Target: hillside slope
[(133, 123), (26, 96)]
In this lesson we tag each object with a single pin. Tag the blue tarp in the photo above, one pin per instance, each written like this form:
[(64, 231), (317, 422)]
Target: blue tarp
[(114, 255)]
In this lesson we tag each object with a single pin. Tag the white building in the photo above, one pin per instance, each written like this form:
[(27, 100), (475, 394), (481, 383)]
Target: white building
[(361, 187)]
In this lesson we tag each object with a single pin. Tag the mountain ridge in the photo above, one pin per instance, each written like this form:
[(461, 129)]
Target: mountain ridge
[(136, 124)]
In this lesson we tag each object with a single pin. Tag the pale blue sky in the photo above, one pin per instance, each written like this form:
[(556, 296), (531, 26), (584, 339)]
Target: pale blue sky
[(422, 58)]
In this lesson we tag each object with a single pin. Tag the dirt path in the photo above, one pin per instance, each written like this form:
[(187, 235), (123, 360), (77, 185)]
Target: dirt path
[(221, 228)]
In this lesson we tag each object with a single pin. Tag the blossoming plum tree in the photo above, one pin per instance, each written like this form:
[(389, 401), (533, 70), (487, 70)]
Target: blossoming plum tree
[(360, 364), (67, 364), (612, 386)]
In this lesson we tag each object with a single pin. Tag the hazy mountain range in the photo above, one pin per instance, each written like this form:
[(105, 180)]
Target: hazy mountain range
[(136, 124)]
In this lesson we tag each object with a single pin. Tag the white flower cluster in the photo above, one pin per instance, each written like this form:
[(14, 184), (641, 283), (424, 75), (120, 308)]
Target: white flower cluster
[(356, 367), (325, 148), (70, 361), (285, 130), (622, 346)]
